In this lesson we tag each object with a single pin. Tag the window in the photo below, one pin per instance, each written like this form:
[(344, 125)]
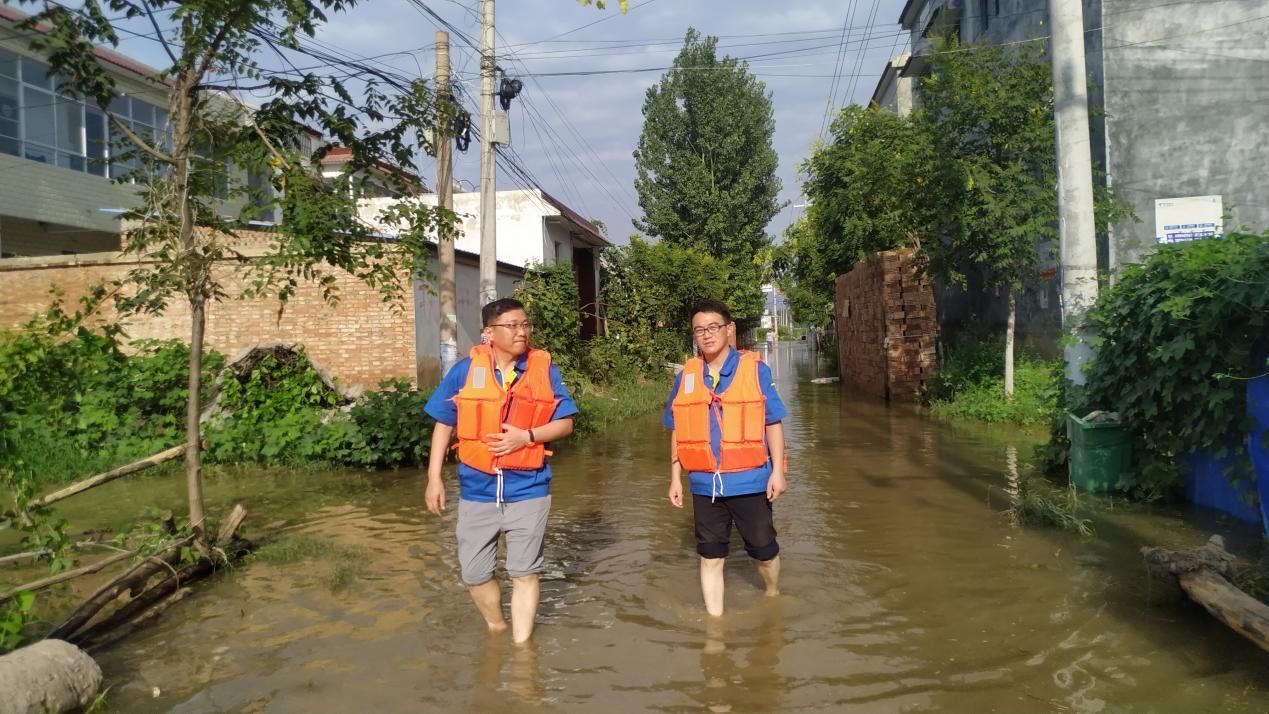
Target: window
[(59, 130), (8, 64), (10, 115)]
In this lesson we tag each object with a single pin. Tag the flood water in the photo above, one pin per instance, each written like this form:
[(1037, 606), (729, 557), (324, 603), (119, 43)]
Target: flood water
[(905, 590)]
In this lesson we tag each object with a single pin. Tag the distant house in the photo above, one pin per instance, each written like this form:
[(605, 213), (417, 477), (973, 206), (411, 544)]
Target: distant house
[(533, 228)]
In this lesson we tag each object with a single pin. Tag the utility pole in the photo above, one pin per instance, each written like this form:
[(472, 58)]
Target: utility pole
[(1075, 182), (488, 196), (445, 196)]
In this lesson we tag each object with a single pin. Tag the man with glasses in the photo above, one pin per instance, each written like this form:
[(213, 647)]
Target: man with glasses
[(505, 402), (726, 415)]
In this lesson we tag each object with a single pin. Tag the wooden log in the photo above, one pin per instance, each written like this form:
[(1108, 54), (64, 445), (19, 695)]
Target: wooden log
[(79, 487), (1244, 614), (231, 524), (1200, 572), (133, 578), (68, 575)]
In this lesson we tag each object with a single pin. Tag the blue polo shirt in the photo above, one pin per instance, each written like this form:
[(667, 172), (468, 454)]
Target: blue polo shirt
[(476, 485), (738, 483)]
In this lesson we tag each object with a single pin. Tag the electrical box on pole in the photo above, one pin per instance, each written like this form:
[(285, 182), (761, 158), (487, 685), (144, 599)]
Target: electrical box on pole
[(501, 129)]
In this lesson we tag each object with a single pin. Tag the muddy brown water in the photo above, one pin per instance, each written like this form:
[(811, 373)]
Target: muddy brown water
[(905, 590)]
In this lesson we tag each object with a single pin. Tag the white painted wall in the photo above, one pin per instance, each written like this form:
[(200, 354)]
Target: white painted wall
[(522, 236)]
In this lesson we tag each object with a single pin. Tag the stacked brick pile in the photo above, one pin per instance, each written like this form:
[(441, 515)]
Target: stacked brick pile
[(887, 327), (861, 328)]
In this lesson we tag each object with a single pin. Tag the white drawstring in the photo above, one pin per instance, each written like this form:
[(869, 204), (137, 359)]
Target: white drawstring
[(501, 503), (716, 486)]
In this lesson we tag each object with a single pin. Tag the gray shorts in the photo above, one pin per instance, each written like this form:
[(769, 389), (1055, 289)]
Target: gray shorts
[(480, 524)]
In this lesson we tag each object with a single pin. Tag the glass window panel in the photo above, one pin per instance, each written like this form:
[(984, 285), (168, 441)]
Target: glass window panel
[(8, 64), (36, 73), (121, 107), (10, 146), (39, 114), (95, 133), (10, 110), (70, 125), (70, 161), (142, 112), (42, 154)]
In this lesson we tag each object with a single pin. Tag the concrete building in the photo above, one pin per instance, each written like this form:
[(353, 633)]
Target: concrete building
[(56, 193), (533, 228), (896, 90), (1178, 91)]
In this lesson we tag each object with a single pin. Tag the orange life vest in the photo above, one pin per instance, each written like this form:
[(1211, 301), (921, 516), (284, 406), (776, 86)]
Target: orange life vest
[(484, 406), (741, 412)]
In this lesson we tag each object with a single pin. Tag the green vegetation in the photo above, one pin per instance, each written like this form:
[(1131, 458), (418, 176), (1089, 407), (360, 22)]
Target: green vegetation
[(968, 182), (345, 563), (969, 384), (607, 407), (707, 166), (1177, 339), (189, 204), (1040, 503)]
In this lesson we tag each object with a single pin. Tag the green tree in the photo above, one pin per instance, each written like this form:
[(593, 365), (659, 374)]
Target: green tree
[(871, 188), (706, 165), (184, 243), (989, 115)]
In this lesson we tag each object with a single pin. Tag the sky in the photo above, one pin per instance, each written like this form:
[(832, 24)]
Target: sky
[(578, 119)]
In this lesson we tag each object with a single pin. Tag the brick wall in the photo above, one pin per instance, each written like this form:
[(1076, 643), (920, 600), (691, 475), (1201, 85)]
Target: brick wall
[(361, 341), (886, 327)]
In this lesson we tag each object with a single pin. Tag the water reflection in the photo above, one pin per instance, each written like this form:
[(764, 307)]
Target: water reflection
[(905, 589)]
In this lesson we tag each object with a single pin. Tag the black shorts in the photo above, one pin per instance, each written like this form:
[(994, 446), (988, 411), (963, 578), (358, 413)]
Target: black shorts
[(752, 515)]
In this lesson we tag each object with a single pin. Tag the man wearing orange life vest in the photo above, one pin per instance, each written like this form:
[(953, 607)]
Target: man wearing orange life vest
[(505, 402), (727, 434)]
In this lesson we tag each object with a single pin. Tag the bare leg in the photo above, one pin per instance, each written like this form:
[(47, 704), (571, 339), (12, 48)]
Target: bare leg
[(524, 607), (770, 572), (712, 584), (488, 599)]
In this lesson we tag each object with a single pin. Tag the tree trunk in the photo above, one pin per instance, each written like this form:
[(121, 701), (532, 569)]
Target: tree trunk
[(196, 292), (1009, 330), (193, 434)]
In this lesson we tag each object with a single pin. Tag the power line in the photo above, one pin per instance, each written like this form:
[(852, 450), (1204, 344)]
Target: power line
[(837, 67), (589, 24)]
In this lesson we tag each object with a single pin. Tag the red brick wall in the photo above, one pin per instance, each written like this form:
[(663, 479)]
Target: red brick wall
[(361, 341), (886, 327)]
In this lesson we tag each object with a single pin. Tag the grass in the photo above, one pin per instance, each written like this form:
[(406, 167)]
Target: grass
[(1040, 503), (346, 563), (971, 385), (607, 407)]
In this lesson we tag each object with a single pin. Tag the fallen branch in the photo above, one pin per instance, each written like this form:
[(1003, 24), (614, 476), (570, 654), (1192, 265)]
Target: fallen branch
[(146, 597), (68, 575), (1201, 573), (133, 580), (79, 487)]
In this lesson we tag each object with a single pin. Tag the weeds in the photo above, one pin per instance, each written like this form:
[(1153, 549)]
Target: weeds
[(346, 563), (970, 385), (1036, 502), (603, 408)]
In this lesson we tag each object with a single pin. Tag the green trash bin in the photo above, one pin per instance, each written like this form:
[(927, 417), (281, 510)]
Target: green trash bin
[(1100, 452)]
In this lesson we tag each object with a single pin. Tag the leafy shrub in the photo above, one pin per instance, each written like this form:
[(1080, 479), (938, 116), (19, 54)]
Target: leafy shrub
[(1176, 340), (73, 401), (550, 297), (970, 384), (281, 412), (393, 424)]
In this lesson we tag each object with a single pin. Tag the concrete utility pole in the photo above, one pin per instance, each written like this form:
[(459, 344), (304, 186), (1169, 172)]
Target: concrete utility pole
[(445, 196), (1075, 182), (488, 196)]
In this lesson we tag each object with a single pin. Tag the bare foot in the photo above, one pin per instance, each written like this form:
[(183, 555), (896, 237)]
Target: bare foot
[(774, 592), (499, 626)]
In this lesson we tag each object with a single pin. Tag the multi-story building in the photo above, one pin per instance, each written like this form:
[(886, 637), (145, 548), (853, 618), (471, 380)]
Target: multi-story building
[(1178, 94)]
